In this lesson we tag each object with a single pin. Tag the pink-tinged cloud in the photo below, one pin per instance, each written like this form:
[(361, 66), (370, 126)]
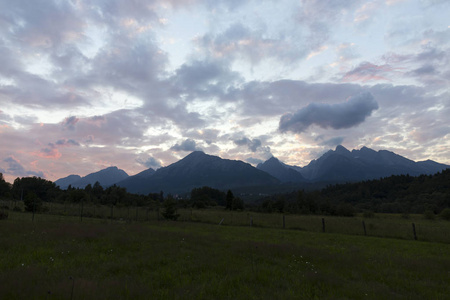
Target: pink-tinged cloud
[(49, 152), (15, 168), (368, 72)]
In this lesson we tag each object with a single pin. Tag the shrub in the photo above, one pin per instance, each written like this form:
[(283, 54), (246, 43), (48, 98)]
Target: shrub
[(170, 209), (445, 214), (32, 202)]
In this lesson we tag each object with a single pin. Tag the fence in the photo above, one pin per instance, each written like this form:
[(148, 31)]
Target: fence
[(381, 225)]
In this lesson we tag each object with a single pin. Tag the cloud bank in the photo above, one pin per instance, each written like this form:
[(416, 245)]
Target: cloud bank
[(337, 116)]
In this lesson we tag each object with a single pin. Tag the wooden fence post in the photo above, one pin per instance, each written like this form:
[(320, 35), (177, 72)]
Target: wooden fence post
[(323, 224), (414, 231)]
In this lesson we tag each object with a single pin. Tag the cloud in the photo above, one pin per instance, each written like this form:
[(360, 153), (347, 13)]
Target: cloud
[(332, 141), (367, 71), (70, 122), (254, 161), (49, 152), (253, 145), (16, 169), (187, 145), (67, 142), (342, 115), (149, 162), (250, 45)]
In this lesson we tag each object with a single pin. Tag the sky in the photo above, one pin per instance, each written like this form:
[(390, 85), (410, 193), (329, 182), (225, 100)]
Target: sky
[(85, 85)]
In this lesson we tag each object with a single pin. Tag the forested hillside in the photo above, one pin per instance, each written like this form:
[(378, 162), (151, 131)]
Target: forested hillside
[(394, 194)]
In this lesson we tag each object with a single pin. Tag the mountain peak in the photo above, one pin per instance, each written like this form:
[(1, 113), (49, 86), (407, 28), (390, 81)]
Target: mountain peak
[(341, 150), (282, 172), (197, 153)]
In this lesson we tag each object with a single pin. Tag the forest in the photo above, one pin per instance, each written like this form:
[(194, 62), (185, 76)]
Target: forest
[(404, 194)]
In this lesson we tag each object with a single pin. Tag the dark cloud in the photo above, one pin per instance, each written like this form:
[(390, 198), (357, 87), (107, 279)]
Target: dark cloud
[(15, 168), (187, 145), (149, 162), (342, 115), (200, 74), (253, 144), (262, 98), (425, 70), (70, 122), (67, 142)]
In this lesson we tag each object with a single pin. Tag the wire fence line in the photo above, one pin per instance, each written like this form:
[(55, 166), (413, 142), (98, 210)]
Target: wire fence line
[(414, 227)]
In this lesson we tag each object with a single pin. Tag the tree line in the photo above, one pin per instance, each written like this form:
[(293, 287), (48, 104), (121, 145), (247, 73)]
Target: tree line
[(395, 194), (403, 194)]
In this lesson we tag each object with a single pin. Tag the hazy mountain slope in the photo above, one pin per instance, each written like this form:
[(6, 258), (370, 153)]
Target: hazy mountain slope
[(199, 169), (363, 164), (280, 171), (105, 177), (63, 183)]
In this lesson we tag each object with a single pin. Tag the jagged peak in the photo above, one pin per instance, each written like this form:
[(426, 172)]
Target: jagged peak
[(273, 159), (341, 149)]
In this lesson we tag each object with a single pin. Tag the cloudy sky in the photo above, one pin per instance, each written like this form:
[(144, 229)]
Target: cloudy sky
[(135, 84)]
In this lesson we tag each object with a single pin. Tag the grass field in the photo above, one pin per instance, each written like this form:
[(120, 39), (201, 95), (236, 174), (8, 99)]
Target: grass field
[(381, 225), (59, 257)]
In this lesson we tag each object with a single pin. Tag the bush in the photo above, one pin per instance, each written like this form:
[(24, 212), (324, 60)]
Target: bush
[(32, 202), (445, 214), (170, 209)]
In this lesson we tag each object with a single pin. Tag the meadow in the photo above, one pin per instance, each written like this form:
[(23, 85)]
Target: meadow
[(64, 257)]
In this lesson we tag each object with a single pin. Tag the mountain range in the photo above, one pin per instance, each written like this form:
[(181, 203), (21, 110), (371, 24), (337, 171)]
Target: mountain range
[(105, 177), (199, 169)]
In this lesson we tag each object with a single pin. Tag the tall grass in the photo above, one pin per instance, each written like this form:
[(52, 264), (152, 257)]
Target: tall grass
[(380, 225), (45, 259)]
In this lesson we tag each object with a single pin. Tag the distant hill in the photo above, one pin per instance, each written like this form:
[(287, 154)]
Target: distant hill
[(273, 176), (356, 165), (279, 170), (137, 182), (105, 177), (63, 183), (196, 170)]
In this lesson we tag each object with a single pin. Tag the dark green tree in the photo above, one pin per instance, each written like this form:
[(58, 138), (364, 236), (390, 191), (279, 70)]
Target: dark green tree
[(170, 209), (5, 187), (32, 202)]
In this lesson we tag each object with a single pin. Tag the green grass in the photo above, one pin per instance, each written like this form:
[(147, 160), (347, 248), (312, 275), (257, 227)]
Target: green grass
[(100, 259), (381, 225)]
